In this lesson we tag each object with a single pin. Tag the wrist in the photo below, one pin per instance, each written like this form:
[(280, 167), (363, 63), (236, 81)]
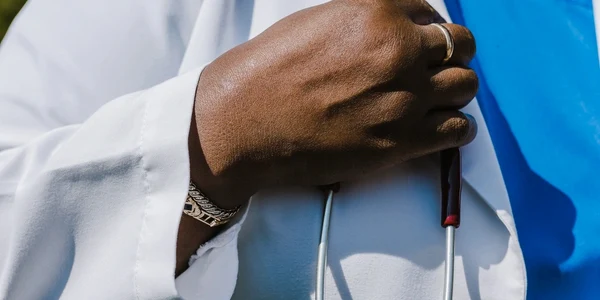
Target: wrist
[(228, 188)]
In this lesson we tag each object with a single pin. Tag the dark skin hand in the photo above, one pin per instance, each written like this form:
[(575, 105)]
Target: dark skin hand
[(327, 94)]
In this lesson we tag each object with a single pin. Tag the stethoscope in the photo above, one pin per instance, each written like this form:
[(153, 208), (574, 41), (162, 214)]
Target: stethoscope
[(450, 220)]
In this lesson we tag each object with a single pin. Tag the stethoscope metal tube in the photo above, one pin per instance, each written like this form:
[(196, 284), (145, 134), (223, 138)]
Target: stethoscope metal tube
[(449, 272), (323, 243), (450, 219)]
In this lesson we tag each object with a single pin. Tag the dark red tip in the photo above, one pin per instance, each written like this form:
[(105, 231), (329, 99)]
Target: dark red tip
[(451, 220)]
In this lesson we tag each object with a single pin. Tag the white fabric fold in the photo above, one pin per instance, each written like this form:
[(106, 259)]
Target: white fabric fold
[(213, 270), (92, 210)]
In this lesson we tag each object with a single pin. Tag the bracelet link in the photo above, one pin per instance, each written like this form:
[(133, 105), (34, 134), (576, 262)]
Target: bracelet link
[(199, 207)]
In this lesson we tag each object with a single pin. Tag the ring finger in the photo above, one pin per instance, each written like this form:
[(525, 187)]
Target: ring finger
[(435, 45)]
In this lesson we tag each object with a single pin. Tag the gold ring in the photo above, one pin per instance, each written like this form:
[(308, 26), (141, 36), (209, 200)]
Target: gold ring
[(449, 42)]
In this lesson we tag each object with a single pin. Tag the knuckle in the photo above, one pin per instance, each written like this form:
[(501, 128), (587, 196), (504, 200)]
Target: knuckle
[(374, 28), (377, 17), (469, 35), (423, 13), (465, 33), (472, 45), (468, 39), (388, 45), (384, 38)]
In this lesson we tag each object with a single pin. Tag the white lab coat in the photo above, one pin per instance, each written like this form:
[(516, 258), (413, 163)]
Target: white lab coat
[(95, 104)]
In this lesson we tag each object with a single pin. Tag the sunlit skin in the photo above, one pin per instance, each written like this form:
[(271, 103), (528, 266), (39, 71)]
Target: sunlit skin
[(328, 94)]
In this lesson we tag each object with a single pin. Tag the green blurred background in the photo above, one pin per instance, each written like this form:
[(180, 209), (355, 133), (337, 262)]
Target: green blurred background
[(8, 10)]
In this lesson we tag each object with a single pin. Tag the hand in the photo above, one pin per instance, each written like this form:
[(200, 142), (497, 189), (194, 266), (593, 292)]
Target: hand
[(331, 93)]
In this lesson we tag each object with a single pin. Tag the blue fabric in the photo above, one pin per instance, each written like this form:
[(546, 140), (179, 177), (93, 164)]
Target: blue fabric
[(540, 95)]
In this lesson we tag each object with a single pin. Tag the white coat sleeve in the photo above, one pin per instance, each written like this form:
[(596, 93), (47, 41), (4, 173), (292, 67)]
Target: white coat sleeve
[(92, 187)]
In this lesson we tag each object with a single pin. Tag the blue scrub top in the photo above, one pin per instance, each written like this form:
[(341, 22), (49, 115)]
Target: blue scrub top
[(540, 96)]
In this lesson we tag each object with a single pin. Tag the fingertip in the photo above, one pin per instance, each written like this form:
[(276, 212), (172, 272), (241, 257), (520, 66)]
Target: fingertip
[(460, 128)]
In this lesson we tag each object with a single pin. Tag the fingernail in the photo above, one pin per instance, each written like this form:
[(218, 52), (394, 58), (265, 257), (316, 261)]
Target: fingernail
[(473, 127)]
